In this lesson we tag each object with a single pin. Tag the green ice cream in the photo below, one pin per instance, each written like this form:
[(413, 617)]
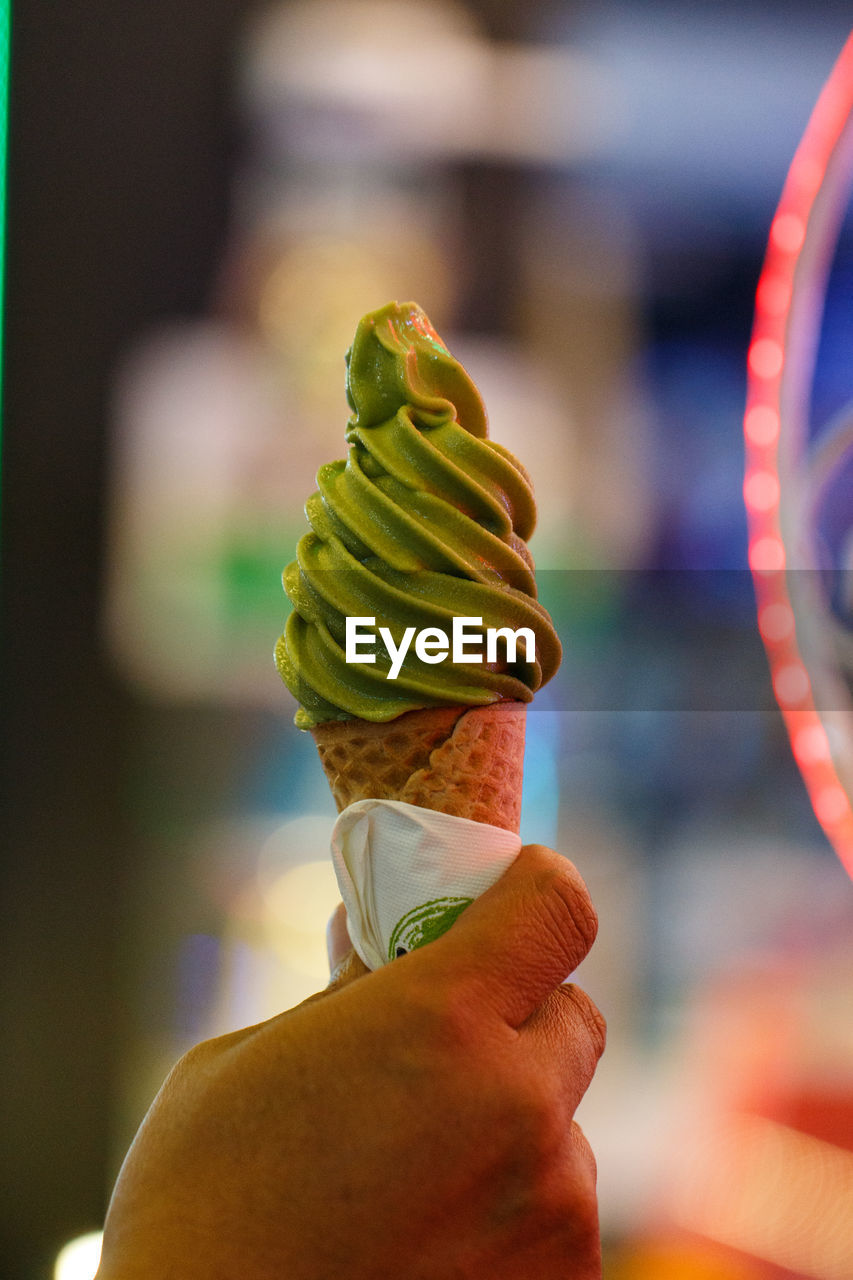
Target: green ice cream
[(426, 519)]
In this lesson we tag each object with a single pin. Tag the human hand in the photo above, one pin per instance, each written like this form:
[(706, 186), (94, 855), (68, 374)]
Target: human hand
[(416, 1122)]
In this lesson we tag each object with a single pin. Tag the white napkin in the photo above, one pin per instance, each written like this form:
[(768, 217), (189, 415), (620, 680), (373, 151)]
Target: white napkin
[(406, 873)]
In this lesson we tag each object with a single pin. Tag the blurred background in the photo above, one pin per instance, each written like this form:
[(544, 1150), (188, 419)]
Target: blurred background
[(204, 199)]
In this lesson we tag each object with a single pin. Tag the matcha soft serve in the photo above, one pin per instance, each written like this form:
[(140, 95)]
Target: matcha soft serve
[(423, 524)]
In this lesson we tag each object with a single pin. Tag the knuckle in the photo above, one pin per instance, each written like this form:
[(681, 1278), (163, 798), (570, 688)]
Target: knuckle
[(195, 1063), (194, 1060), (443, 1015), (591, 1017), (549, 1180), (584, 1150), (205, 1060), (536, 1125), (568, 907), (186, 1074), (567, 1199)]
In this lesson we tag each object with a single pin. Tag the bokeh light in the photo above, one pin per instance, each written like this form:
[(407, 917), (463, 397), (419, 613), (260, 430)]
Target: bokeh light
[(761, 490), (762, 425), (767, 554), (766, 357), (773, 294), (791, 683), (776, 622), (774, 1193), (811, 744), (80, 1258), (787, 232), (303, 898)]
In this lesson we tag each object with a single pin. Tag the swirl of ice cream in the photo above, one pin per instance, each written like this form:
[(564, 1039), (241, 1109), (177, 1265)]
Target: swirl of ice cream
[(425, 520)]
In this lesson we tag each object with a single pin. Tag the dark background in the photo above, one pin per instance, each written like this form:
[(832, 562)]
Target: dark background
[(118, 160)]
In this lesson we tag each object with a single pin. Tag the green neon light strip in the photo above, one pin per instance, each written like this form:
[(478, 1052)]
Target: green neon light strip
[(5, 6)]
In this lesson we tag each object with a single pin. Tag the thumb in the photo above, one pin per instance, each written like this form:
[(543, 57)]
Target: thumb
[(522, 938), (344, 964)]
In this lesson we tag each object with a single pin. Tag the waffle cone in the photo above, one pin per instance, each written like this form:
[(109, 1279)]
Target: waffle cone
[(465, 761)]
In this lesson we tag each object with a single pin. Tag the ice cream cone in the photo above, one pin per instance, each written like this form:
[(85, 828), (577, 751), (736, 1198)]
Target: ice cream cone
[(425, 521), (464, 761)]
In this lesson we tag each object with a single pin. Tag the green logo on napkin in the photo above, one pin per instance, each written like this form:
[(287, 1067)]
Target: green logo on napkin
[(425, 923)]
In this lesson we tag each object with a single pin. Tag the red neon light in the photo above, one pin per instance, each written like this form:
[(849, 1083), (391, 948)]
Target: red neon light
[(791, 684), (767, 555), (774, 295), (788, 231), (776, 623), (810, 745), (762, 425), (766, 364), (766, 357), (761, 490)]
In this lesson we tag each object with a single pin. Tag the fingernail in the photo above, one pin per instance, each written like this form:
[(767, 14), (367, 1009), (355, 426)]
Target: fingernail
[(338, 941)]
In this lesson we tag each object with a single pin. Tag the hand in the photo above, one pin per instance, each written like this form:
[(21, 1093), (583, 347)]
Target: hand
[(414, 1123)]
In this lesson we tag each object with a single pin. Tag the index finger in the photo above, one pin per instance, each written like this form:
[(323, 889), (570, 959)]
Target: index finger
[(523, 937)]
